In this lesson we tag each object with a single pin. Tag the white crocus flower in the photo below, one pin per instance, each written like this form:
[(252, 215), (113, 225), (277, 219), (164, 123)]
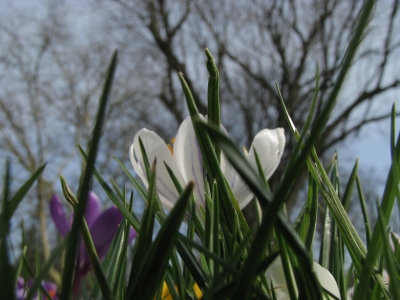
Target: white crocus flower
[(276, 274), (186, 162)]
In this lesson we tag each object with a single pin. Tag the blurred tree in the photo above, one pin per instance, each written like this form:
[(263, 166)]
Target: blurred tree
[(256, 43), (50, 82)]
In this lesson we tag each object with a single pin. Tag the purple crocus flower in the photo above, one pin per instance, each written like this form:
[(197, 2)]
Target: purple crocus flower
[(21, 290), (103, 226)]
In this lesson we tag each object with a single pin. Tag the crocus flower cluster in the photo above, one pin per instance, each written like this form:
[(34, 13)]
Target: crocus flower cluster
[(22, 288), (103, 226), (185, 160)]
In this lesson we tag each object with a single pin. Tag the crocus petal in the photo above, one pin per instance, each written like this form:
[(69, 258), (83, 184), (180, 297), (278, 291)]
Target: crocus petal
[(156, 147), (20, 290), (188, 157), (132, 235), (236, 183), (104, 229), (58, 215), (93, 209), (269, 145), (326, 279), (51, 289), (276, 274)]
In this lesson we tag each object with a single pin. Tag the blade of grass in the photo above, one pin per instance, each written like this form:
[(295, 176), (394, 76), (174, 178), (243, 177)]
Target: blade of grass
[(70, 256), (388, 199), (7, 272), (184, 251), (323, 118), (40, 276), (391, 265), (271, 215), (132, 219), (309, 215), (110, 264), (363, 204), (286, 265), (213, 107), (88, 241), (313, 105), (350, 186), (20, 194), (144, 239), (152, 271), (325, 250), (210, 159)]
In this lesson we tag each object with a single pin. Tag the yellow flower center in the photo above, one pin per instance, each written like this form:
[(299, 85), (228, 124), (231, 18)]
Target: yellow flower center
[(170, 145), (166, 295), (197, 291)]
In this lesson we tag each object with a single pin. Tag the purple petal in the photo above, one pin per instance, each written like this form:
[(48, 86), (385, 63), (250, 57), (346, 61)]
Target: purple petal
[(58, 215), (104, 229), (93, 209), (20, 292), (132, 235), (49, 286)]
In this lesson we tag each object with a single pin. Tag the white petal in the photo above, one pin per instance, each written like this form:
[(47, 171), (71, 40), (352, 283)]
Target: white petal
[(269, 144), (156, 147), (236, 183), (188, 157), (326, 279), (276, 274)]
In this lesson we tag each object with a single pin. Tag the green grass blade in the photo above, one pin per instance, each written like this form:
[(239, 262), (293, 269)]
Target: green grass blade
[(393, 268), (132, 219), (214, 110), (286, 265), (55, 254), (190, 261), (184, 251), (308, 217), (142, 191), (350, 186), (177, 275), (313, 105), (112, 262), (7, 271), (13, 203), (213, 107), (150, 275), (352, 240), (388, 199), (89, 244), (324, 254), (215, 227), (255, 183), (197, 222), (210, 159), (363, 204), (144, 240), (85, 184)]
